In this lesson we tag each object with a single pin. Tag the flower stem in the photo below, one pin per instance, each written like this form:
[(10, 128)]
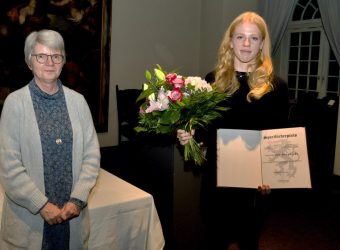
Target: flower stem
[(192, 151)]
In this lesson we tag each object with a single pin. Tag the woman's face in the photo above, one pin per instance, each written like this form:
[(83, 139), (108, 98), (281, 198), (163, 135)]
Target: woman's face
[(246, 43), (46, 72)]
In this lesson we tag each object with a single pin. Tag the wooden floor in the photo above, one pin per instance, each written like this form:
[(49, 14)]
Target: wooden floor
[(308, 223), (298, 220)]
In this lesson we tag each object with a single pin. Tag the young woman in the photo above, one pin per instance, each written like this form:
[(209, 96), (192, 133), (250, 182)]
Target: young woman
[(259, 100)]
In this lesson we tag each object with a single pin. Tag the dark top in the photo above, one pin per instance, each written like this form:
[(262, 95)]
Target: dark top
[(56, 140), (233, 213), (270, 111)]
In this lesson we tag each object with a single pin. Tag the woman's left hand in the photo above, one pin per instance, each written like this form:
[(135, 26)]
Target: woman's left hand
[(69, 211), (264, 189)]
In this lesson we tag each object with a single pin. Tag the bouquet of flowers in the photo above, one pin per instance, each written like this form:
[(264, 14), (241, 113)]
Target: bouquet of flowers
[(173, 102)]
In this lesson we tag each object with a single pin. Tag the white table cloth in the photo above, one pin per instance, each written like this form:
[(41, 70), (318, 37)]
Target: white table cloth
[(122, 216)]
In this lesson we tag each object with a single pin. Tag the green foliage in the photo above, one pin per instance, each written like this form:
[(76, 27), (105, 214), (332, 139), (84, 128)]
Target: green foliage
[(196, 111), (197, 108)]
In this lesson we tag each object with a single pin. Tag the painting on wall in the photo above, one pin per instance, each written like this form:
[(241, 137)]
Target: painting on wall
[(86, 28)]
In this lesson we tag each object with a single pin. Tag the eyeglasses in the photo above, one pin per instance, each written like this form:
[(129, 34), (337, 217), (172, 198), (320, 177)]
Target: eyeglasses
[(42, 58)]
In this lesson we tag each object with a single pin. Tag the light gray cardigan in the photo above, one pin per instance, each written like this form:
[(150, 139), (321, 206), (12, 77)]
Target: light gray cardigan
[(21, 170)]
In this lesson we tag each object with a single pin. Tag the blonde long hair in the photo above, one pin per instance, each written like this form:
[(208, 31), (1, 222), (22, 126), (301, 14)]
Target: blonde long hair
[(260, 78)]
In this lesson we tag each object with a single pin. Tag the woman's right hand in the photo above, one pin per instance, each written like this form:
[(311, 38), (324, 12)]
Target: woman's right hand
[(184, 136)]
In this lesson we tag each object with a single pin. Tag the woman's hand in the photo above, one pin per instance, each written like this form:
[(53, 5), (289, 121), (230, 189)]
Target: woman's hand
[(69, 211), (51, 214), (264, 189), (184, 136)]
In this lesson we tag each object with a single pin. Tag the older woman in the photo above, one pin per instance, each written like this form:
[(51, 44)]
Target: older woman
[(49, 155)]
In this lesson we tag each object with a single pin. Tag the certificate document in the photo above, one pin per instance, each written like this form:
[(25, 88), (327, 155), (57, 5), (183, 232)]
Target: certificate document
[(274, 157)]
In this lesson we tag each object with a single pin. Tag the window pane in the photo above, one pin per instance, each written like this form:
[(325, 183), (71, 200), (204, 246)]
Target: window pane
[(302, 82), (317, 15), (304, 53), (292, 82), (332, 84), (303, 2), (307, 8), (313, 68), (305, 38), (292, 68), (313, 83), (333, 69), (303, 68), (315, 53), (293, 53), (297, 13), (316, 38), (294, 39), (309, 13)]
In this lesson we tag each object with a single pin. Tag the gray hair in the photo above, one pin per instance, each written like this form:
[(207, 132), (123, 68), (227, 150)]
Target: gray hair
[(50, 38)]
